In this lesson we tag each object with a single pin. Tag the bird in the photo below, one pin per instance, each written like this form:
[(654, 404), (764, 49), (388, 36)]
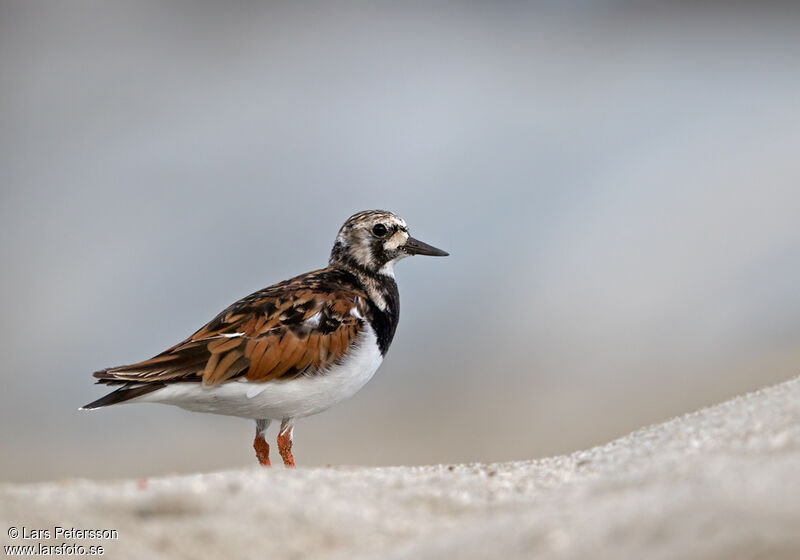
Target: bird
[(290, 350)]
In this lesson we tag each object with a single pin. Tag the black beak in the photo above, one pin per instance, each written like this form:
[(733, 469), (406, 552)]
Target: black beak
[(417, 247)]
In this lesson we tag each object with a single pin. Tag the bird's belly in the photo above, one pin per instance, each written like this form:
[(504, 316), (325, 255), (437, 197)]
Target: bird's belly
[(302, 396)]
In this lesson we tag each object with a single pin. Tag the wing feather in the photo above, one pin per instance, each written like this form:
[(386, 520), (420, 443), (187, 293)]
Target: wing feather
[(286, 330)]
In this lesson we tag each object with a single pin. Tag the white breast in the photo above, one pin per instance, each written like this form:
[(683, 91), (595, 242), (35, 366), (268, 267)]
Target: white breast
[(302, 396)]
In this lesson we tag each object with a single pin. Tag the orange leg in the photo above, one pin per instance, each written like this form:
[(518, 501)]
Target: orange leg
[(260, 444), (285, 442)]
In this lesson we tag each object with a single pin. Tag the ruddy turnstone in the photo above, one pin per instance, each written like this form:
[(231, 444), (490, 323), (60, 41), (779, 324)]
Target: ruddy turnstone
[(290, 350)]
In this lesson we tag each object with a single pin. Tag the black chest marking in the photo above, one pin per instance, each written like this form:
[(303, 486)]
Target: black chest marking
[(384, 322)]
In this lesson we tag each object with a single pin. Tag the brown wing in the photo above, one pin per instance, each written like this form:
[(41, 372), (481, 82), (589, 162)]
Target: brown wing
[(294, 328)]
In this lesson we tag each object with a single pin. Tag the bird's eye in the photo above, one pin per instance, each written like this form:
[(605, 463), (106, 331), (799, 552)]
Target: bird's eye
[(379, 230)]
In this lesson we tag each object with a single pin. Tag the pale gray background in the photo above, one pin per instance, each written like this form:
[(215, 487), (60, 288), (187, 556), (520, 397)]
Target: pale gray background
[(619, 187)]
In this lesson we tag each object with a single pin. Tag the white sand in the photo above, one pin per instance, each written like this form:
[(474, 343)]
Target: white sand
[(720, 483)]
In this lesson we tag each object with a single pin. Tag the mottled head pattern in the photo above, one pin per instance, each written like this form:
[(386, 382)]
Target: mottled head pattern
[(372, 241)]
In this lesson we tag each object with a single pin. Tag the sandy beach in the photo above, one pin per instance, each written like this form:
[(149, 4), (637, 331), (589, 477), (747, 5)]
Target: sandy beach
[(718, 483)]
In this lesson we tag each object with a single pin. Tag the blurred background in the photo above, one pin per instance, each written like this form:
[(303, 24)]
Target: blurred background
[(618, 184)]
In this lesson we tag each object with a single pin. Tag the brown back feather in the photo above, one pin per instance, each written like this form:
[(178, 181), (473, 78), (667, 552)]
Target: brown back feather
[(301, 326)]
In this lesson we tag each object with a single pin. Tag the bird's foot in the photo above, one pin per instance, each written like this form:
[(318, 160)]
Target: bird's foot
[(285, 443), (262, 450)]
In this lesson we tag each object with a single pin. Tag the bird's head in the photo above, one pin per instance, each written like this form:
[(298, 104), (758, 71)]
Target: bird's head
[(374, 240)]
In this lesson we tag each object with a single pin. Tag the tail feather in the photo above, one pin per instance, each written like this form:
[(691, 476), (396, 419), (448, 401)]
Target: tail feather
[(183, 363), (124, 393)]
